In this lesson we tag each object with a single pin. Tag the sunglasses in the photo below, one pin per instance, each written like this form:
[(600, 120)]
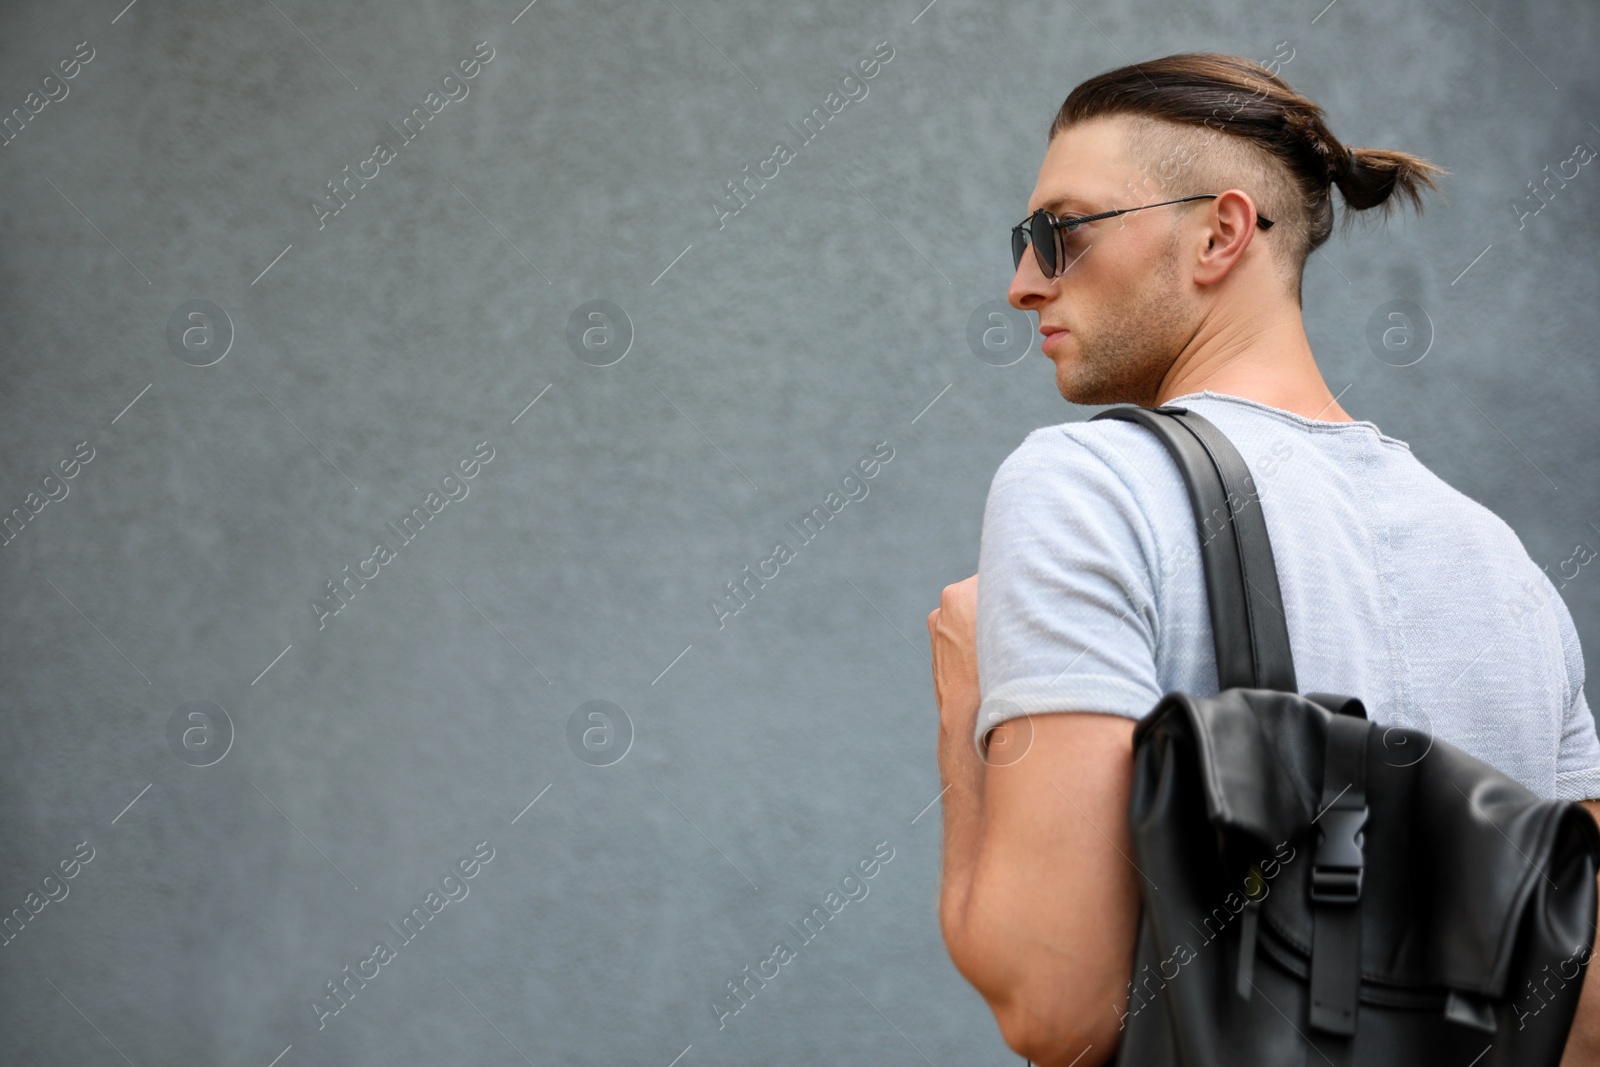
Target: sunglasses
[(1047, 233)]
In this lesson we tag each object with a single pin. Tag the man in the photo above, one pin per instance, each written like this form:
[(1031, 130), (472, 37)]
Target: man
[(1396, 587)]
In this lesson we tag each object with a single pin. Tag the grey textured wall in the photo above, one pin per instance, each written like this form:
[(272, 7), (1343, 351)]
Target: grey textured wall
[(262, 795)]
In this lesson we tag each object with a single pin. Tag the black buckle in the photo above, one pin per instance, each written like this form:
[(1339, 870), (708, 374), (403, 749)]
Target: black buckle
[(1336, 871)]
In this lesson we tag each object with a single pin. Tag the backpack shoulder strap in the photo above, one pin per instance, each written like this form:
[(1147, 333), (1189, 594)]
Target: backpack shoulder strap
[(1248, 627)]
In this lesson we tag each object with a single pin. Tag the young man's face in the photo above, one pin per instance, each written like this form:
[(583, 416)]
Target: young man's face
[(1122, 300)]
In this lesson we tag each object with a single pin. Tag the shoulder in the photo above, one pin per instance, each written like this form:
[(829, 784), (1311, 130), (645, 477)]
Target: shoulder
[(1430, 502), (1105, 481), (1083, 454)]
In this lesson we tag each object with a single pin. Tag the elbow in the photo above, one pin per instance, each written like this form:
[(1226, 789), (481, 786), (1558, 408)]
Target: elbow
[(1061, 1034), (982, 961), (966, 953), (1048, 1009)]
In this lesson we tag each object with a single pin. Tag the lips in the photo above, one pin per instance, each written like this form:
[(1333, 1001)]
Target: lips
[(1050, 335)]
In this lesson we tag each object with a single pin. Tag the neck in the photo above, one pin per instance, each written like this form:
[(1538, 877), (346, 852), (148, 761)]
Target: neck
[(1260, 357)]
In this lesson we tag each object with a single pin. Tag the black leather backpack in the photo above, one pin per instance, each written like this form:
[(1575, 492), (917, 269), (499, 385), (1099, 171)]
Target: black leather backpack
[(1318, 889)]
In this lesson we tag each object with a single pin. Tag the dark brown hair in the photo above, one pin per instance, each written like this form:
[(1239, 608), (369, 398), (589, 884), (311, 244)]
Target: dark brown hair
[(1276, 140)]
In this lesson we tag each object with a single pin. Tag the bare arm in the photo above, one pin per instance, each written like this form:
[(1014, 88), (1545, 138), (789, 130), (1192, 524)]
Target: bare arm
[(1039, 902), (1040, 910), (1583, 1041)]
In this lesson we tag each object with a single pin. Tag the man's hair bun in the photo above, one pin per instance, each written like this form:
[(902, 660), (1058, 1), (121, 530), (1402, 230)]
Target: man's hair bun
[(1371, 176)]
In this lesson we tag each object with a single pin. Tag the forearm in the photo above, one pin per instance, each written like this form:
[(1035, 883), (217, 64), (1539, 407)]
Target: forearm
[(961, 772), (979, 940), (1044, 991)]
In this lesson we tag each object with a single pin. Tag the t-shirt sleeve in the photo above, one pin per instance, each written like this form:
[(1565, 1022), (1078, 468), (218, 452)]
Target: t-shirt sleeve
[(1066, 615), (1578, 762)]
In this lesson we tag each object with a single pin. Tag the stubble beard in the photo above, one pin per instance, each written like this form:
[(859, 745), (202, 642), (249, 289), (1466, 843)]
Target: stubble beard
[(1123, 357)]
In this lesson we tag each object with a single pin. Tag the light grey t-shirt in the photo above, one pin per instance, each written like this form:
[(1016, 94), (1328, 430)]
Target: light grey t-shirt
[(1398, 589)]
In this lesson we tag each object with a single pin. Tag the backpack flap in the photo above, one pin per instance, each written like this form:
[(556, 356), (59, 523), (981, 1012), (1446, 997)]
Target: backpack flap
[(1458, 856), (1495, 854)]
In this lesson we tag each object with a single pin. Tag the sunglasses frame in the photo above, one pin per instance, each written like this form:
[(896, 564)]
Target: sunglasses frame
[(1023, 234)]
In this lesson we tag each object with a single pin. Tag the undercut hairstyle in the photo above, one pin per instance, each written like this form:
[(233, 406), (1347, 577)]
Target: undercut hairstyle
[(1204, 122)]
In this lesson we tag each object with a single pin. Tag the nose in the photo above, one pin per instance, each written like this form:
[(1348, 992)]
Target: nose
[(1029, 287)]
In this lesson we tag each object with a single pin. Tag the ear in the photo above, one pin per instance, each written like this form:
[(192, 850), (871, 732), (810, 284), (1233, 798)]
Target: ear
[(1231, 226)]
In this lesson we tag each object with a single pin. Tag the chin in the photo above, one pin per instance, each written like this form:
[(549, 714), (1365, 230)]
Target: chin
[(1074, 392), (1095, 394)]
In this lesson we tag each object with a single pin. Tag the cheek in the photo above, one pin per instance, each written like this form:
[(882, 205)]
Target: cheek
[(1075, 244)]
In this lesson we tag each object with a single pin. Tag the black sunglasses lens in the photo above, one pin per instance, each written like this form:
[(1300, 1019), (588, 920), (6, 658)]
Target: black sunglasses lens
[(1038, 230), (1044, 242)]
